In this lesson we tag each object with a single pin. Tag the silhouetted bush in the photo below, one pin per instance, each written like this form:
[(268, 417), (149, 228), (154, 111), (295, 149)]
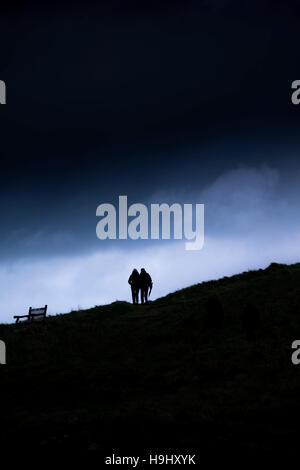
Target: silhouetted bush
[(214, 314), (251, 320)]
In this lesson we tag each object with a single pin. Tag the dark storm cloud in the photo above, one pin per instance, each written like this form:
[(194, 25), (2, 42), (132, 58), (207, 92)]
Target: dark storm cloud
[(164, 102), (132, 98), (101, 77), (88, 82)]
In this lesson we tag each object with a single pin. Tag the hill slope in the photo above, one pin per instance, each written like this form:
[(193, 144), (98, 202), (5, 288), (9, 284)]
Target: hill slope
[(155, 376)]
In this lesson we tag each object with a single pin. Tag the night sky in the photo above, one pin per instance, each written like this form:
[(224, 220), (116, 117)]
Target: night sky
[(184, 102)]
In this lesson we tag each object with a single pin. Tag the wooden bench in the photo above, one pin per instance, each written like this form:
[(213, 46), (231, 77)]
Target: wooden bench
[(34, 314)]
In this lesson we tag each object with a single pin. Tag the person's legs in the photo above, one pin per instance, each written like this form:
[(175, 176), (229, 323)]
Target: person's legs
[(142, 295), (133, 295), (136, 296)]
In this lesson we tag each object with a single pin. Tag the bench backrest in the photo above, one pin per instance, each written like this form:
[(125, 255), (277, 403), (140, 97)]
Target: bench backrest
[(36, 314)]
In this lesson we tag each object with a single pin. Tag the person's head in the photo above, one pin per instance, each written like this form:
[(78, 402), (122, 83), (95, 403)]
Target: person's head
[(143, 270), (135, 271)]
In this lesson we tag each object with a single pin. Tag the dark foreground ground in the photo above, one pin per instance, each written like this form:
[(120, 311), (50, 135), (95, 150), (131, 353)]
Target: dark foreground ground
[(128, 379)]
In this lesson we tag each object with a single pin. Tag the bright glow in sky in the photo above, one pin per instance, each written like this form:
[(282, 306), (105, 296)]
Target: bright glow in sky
[(248, 226)]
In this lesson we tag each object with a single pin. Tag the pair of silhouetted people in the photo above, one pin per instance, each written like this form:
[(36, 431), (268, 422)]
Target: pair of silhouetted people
[(140, 282)]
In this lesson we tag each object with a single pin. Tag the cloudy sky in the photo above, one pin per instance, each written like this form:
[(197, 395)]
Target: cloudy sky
[(184, 102)]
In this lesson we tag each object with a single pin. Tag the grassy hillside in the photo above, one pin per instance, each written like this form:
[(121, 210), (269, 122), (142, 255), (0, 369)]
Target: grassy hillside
[(154, 376)]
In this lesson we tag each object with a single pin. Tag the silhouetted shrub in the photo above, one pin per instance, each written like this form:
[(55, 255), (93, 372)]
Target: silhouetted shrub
[(251, 320), (214, 314)]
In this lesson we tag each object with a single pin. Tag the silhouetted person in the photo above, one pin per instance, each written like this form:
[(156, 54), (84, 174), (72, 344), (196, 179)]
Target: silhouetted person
[(146, 285), (251, 320), (134, 281), (214, 314)]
